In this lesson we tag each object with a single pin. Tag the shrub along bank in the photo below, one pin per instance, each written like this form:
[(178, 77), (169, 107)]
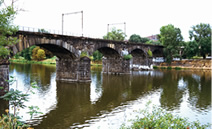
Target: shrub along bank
[(186, 64)]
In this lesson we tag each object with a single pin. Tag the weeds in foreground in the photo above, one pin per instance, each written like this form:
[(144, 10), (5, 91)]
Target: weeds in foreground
[(160, 119), (16, 99)]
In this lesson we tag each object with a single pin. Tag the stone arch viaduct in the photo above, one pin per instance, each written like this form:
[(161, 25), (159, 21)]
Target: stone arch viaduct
[(70, 67)]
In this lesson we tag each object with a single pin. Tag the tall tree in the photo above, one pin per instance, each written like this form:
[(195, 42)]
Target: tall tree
[(135, 38), (144, 40), (190, 49), (201, 33), (171, 38), (117, 35), (6, 29)]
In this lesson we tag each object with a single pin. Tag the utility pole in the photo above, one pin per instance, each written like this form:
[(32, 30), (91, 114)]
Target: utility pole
[(70, 14), (117, 24)]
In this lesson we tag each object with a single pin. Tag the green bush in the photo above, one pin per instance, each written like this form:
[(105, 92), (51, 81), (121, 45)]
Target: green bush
[(160, 119), (178, 68), (196, 57), (155, 67), (128, 57), (83, 54), (169, 67), (17, 99)]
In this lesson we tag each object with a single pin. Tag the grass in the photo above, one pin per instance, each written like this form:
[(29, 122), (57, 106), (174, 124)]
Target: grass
[(169, 67), (46, 61), (51, 61), (96, 63)]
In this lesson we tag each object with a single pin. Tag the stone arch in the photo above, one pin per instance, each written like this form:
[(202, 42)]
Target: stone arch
[(108, 48), (157, 53), (60, 52), (60, 48), (138, 53), (140, 58), (109, 52)]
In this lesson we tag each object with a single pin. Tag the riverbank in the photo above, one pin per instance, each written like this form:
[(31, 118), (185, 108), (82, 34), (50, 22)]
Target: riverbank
[(187, 64), (181, 64), (51, 61)]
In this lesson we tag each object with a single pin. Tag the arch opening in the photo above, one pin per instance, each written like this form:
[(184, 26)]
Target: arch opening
[(60, 52), (138, 53), (108, 52), (157, 53)]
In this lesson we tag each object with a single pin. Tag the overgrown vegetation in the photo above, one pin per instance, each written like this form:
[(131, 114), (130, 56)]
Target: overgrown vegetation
[(6, 29), (128, 57), (149, 53), (16, 98), (158, 118)]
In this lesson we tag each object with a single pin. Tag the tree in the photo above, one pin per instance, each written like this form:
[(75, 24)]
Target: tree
[(117, 35), (171, 38), (41, 54), (201, 33), (135, 38), (27, 53), (190, 49), (153, 42), (42, 31), (6, 30), (144, 40), (38, 54), (34, 53), (97, 56)]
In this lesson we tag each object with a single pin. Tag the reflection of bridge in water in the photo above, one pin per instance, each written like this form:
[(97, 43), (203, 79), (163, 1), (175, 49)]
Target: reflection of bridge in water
[(72, 67), (75, 104)]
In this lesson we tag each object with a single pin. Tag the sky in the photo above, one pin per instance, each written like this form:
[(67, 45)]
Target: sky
[(142, 17)]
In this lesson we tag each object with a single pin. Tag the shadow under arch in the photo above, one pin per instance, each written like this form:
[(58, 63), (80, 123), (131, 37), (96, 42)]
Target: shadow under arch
[(109, 52), (157, 53), (60, 52)]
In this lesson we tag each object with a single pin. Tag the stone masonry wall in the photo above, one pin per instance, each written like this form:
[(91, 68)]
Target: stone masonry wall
[(73, 70), (4, 76), (115, 66), (194, 64)]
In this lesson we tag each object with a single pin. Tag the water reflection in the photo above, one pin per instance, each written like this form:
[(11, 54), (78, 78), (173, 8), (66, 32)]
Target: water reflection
[(79, 105), (176, 83), (41, 74)]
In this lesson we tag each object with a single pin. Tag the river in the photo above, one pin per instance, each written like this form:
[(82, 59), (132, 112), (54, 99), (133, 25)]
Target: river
[(111, 100)]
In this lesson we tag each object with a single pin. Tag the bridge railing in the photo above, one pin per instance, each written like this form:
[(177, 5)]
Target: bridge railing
[(42, 30)]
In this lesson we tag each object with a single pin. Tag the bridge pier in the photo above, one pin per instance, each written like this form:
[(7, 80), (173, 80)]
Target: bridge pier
[(115, 66), (4, 76), (70, 70), (142, 61)]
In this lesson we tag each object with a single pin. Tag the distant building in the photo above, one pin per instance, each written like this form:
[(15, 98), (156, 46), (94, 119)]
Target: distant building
[(153, 37)]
